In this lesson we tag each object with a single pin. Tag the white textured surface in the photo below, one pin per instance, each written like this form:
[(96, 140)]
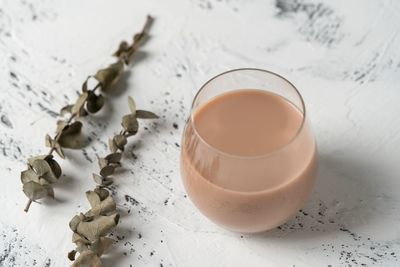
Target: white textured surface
[(343, 56)]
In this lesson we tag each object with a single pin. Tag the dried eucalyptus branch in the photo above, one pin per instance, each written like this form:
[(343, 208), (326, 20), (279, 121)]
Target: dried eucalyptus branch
[(42, 171), (91, 229)]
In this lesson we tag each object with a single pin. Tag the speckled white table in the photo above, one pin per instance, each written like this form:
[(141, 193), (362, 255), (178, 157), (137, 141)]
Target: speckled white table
[(343, 55)]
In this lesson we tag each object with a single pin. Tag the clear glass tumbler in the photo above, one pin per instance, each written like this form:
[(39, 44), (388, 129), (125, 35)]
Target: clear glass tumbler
[(294, 163)]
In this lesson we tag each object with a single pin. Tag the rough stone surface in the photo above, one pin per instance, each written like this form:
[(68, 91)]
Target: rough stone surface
[(343, 56)]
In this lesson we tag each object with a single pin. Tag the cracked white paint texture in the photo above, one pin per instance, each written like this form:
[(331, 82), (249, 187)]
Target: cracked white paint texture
[(343, 56)]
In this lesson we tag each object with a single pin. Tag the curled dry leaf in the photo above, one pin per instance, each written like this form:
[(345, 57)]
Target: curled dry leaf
[(87, 259), (123, 48), (48, 141), (104, 207), (132, 105), (120, 141), (100, 226), (101, 245), (102, 162), (28, 176), (130, 123), (54, 166), (71, 135), (85, 85), (80, 103), (97, 179), (107, 170), (102, 193), (61, 125), (109, 76), (144, 114), (107, 182), (60, 151), (112, 145), (34, 191), (94, 102), (77, 238), (93, 198), (73, 224), (50, 190), (114, 157), (66, 110), (42, 168)]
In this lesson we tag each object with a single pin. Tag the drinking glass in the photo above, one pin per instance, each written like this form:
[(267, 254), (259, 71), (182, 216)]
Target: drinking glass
[(294, 163)]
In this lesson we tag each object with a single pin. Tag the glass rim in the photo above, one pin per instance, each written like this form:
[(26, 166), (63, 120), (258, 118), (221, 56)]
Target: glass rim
[(278, 149)]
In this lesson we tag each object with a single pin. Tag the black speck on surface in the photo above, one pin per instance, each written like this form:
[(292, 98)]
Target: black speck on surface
[(131, 200), (6, 121), (175, 125), (47, 110), (13, 75)]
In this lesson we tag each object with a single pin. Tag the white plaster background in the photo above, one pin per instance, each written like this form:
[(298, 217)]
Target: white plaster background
[(344, 57)]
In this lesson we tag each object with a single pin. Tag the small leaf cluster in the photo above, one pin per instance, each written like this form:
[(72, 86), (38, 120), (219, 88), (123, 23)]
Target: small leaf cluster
[(41, 172), (90, 230)]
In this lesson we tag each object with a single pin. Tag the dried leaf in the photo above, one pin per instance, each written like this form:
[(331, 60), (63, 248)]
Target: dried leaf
[(80, 102), (123, 48), (85, 85), (83, 113), (114, 157), (97, 179), (77, 238), (87, 259), (87, 217), (110, 75), (101, 245), (34, 190), (49, 189), (43, 169), (40, 166), (29, 175), (112, 145), (132, 105), (106, 206), (144, 114), (61, 125), (93, 198), (71, 136), (130, 123), (54, 166), (102, 193), (60, 151), (73, 224), (120, 141), (81, 247), (107, 170), (107, 182), (66, 109), (102, 162), (49, 141), (32, 159), (94, 102), (71, 255), (100, 226)]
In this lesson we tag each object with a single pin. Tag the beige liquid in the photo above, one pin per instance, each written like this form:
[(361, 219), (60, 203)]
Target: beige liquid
[(251, 165)]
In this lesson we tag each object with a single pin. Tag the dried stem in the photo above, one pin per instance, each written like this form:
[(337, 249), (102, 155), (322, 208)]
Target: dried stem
[(28, 205), (122, 57)]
